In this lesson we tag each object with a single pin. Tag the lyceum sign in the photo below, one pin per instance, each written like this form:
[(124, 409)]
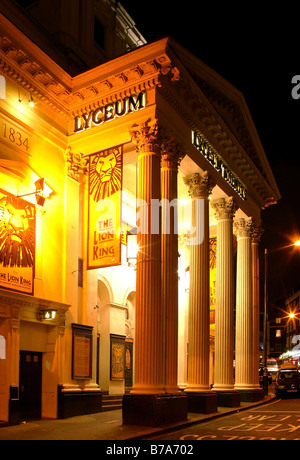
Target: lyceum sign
[(110, 111)]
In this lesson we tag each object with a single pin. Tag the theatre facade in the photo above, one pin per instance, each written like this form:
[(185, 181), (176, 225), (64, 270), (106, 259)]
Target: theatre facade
[(130, 219)]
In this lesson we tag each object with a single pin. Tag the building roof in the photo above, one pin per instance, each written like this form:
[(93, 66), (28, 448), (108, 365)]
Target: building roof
[(204, 99)]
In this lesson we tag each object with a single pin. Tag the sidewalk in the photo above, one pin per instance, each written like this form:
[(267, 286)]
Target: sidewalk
[(106, 426)]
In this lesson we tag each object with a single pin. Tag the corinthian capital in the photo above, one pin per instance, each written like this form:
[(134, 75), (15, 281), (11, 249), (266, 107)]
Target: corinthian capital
[(225, 208), (243, 227), (171, 153), (146, 136), (199, 185), (256, 233)]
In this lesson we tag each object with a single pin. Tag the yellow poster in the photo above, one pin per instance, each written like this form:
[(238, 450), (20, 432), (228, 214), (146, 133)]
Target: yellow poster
[(17, 243), (213, 271), (105, 195)]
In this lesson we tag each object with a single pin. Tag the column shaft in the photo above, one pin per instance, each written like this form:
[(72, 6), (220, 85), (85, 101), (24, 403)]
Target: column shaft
[(149, 318), (199, 293), (169, 170), (256, 234), (224, 313), (244, 309)]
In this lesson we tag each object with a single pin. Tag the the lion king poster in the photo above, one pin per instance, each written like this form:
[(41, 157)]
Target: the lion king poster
[(17, 243), (105, 194)]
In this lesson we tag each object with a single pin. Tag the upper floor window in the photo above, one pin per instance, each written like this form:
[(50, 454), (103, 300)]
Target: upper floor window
[(2, 347), (25, 3), (99, 33)]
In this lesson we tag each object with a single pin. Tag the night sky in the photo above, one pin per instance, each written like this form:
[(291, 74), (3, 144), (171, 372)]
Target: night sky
[(256, 48)]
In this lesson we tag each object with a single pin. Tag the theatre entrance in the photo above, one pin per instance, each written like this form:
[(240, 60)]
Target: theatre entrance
[(30, 385)]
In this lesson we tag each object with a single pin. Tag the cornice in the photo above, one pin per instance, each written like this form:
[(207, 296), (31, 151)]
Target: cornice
[(34, 71), (148, 67), (188, 99)]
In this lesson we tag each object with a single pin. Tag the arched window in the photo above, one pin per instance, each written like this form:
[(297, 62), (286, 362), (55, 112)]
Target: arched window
[(2, 87), (2, 347)]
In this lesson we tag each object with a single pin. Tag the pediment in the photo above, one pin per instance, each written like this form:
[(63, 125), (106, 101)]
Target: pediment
[(232, 110)]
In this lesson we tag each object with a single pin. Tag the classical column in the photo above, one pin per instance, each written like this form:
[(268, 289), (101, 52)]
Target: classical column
[(171, 158), (225, 209), (149, 318), (198, 387), (13, 350), (244, 379), (256, 235), (148, 403)]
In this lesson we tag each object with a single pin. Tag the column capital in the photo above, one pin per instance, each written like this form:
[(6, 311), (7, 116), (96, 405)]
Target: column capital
[(256, 233), (77, 164), (146, 136), (225, 208), (200, 185), (243, 227), (171, 153)]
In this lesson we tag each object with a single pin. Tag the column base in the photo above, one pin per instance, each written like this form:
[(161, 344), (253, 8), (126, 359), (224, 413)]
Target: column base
[(228, 398), (154, 410), (205, 402), (74, 403), (251, 395)]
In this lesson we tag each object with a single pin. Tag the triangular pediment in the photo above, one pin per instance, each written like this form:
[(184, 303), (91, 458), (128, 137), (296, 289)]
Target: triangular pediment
[(230, 105)]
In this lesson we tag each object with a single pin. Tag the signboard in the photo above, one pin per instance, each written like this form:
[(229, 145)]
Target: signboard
[(109, 112), (17, 243), (82, 352), (14, 136), (105, 195), (117, 357), (218, 163)]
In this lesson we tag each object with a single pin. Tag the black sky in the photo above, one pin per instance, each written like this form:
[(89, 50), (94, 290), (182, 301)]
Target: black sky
[(255, 47)]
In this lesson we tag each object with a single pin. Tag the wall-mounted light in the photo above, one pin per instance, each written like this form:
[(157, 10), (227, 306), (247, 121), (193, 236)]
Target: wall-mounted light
[(39, 192), (132, 247), (187, 279), (48, 314), (27, 96)]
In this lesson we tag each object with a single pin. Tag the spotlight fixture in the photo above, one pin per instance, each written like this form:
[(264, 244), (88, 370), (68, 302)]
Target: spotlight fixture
[(47, 315), (132, 247), (30, 99), (39, 188)]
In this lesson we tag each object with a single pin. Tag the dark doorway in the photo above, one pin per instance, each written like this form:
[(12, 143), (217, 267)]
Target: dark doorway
[(128, 363), (30, 385)]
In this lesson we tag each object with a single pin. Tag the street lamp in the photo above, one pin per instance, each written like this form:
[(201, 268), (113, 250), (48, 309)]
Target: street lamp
[(265, 376)]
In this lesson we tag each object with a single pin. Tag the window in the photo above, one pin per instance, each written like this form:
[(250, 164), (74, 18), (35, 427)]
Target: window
[(25, 3), (278, 320), (80, 272), (2, 347), (99, 33), (278, 332), (2, 87)]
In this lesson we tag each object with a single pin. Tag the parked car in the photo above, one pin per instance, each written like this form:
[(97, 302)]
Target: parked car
[(261, 376), (287, 382)]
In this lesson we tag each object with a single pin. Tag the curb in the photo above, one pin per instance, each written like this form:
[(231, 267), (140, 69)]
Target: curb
[(188, 423)]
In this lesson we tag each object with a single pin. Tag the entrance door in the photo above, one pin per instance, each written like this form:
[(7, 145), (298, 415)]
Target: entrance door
[(128, 363), (30, 385)]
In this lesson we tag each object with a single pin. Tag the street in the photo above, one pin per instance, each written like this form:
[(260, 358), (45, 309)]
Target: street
[(278, 420)]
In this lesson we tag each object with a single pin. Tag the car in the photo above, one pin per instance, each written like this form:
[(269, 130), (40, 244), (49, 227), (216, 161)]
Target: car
[(287, 382), (261, 376)]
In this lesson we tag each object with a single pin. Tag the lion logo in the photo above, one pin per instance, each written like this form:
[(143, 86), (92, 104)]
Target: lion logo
[(17, 234), (105, 174)]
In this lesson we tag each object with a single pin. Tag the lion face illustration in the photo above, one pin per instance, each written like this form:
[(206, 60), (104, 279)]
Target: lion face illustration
[(17, 234), (105, 174)]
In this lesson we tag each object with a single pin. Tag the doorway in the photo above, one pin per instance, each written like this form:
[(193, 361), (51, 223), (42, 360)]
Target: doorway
[(30, 385)]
